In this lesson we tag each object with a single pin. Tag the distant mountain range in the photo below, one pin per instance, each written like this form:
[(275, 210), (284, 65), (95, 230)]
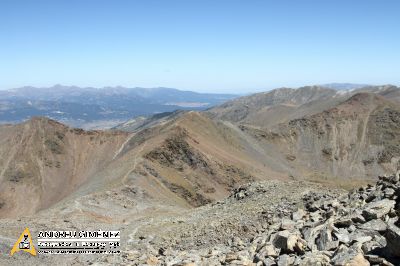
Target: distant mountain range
[(99, 107)]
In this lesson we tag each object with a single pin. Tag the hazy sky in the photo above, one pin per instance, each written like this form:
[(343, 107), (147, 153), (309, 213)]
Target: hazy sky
[(216, 45)]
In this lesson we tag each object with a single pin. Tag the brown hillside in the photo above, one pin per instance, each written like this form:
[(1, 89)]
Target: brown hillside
[(42, 161), (200, 160)]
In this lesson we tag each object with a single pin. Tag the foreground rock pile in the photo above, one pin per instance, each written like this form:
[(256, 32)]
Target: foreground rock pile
[(358, 228)]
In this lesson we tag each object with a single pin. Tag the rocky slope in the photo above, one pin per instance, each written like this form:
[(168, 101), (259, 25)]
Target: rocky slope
[(325, 228)]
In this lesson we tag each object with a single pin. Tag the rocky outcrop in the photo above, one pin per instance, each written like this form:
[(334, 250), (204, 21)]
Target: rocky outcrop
[(176, 152), (358, 228), (190, 171)]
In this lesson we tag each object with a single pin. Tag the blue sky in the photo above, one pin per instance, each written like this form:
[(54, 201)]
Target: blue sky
[(214, 46)]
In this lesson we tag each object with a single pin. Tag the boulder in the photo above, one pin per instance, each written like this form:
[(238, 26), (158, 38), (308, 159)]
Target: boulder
[(286, 260), (287, 224), (351, 228), (316, 216), (367, 247), (344, 222), (342, 235), (269, 262), (377, 209), (298, 215), (268, 251), (315, 258), (300, 246), (281, 239), (349, 257), (393, 240), (357, 260), (362, 239), (231, 257), (289, 242), (358, 218), (394, 179), (376, 225), (389, 192), (376, 260), (324, 240)]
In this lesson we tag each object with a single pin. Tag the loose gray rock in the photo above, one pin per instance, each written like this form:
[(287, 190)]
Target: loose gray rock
[(315, 258), (287, 224), (269, 262), (288, 241), (376, 225), (286, 260), (378, 209), (324, 240), (342, 235), (268, 250), (359, 228), (349, 257), (298, 215)]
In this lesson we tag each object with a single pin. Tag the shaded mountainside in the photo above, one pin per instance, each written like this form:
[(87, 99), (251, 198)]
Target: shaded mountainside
[(358, 138)]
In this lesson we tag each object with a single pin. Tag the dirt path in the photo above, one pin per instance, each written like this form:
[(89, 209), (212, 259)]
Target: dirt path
[(135, 162), (118, 152)]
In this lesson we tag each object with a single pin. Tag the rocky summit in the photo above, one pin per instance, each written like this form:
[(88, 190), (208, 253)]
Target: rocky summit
[(358, 228)]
